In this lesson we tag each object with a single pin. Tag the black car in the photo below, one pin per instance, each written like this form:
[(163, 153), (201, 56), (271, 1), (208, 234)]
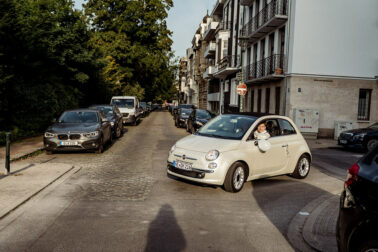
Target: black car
[(366, 138), (181, 117), (197, 119), (186, 106), (114, 116), (357, 225), (81, 129), (145, 109)]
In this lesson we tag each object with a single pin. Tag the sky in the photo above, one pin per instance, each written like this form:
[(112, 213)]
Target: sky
[(183, 20)]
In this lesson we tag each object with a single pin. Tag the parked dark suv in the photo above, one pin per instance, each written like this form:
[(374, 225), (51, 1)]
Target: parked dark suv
[(357, 225), (366, 138)]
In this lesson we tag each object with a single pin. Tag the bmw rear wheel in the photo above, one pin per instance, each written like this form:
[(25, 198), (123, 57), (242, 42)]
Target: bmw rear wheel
[(235, 178)]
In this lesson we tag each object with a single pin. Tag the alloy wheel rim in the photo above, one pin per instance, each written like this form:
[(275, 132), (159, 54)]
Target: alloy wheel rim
[(238, 178), (304, 167), (372, 250)]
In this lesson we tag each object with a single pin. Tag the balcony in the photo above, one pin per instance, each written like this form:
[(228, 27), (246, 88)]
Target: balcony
[(208, 74), (228, 65), (224, 26), (210, 32), (210, 50), (268, 19), (246, 2), (213, 97), (218, 8), (268, 69)]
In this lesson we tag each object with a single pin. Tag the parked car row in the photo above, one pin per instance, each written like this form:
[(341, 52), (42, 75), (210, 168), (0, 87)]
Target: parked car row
[(94, 127), (188, 117)]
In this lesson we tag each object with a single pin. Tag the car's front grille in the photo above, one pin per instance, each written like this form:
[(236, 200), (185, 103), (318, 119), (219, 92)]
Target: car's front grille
[(125, 114), (192, 174), (346, 136), (63, 137), (75, 136)]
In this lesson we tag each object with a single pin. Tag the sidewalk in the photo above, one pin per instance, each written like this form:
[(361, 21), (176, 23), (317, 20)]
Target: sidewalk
[(323, 143), (26, 181), (20, 149)]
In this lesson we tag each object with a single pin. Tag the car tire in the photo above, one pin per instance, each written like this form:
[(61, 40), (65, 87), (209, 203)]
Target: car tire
[(100, 148), (303, 167), (371, 144), (371, 245), (235, 177), (118, 132)]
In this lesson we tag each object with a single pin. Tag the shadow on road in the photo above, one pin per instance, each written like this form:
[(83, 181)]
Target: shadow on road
[(164, 233), (282, 198)]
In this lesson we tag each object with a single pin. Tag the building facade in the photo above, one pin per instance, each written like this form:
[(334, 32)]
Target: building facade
[(294, 55)]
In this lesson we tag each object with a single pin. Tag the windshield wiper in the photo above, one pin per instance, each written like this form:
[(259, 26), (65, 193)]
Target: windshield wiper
[(215, 136)]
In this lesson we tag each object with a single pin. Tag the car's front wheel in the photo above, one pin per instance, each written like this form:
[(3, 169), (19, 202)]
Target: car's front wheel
[(303, 167), (371, 144), (235, 177), (100, 148), (369, 246)]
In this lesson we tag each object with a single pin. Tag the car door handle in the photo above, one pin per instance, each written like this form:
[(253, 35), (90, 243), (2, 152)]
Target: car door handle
[(285, 145)]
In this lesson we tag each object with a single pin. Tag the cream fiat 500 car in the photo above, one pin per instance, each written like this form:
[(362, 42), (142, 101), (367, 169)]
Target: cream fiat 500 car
[(224, 152)]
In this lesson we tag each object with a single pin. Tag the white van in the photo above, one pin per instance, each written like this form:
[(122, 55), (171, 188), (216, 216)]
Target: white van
[(129, 107)]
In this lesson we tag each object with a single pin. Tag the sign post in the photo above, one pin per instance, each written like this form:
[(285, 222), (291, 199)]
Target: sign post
[(242, 91)]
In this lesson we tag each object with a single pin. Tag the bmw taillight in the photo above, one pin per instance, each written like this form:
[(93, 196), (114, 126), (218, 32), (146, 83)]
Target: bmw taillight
[(352, 174)]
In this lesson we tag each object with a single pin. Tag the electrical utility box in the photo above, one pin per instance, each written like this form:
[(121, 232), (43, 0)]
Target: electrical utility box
[(307, 121), (341, 126)]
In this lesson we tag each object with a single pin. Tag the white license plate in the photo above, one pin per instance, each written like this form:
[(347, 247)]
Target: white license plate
[(343, 141), (182, 165), (68, 143)]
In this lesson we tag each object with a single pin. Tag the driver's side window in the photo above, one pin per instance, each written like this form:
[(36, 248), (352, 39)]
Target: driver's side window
[(272, 127)]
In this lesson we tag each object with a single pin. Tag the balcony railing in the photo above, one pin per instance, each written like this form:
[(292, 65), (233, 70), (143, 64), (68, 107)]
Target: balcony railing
[(210, 50), (275, 13), (271, 66), (229, 61), (224, 26)]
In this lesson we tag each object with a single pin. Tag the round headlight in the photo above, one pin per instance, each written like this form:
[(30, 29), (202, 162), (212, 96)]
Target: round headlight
[(212, 155)]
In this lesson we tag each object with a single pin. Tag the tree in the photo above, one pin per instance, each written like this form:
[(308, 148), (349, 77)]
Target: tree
[(134, 37), (46, 64)]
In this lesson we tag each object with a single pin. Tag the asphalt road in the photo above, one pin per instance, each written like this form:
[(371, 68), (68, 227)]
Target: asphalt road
[(335, 161), (122, 200)]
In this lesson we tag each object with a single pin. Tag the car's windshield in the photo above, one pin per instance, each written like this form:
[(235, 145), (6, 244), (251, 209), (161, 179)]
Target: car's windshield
[(374, 126), (123, 103), (186, 112), (203, 114), (227, 126), (106, 109), (79, 117), (187, 106)]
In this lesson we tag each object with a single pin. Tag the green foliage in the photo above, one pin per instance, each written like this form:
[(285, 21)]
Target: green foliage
[(54, 58)]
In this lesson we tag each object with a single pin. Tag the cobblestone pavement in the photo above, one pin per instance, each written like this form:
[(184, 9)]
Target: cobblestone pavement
[(122, 200)]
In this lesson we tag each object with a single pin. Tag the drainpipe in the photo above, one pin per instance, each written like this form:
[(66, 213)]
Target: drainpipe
[(286, 88), (221, 96)]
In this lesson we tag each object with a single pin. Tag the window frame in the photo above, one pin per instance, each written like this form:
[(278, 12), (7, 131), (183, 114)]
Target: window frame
[(295, 131), (368, 109)]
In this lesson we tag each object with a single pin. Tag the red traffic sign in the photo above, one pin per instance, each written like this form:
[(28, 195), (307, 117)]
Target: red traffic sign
[(242, 89)]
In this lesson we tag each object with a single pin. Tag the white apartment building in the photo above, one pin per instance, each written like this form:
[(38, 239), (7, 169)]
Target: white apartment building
[(320, 55)]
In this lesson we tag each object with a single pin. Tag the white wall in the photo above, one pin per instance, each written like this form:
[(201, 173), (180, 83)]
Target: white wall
[(334, 37)]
